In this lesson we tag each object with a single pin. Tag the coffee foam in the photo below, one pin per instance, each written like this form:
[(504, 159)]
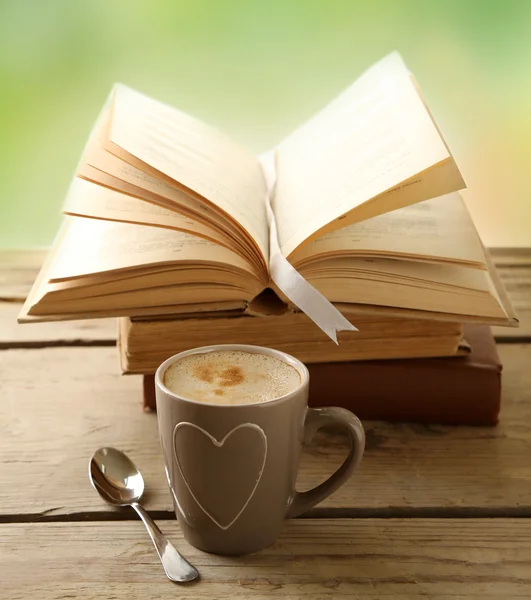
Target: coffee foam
[(231, 377)]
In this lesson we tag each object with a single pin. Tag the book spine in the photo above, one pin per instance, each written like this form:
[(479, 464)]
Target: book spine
[(425, 394)]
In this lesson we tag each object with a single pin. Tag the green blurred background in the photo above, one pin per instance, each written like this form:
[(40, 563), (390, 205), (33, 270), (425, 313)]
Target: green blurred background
[(256, 69)]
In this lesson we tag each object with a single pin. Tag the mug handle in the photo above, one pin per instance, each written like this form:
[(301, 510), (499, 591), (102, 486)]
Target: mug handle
[(315, 419)]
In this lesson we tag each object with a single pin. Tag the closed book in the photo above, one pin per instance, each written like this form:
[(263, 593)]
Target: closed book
[(460, 390), (145, 344)]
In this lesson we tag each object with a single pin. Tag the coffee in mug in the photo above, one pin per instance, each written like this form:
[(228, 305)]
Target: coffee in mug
[(231, 377), (233, 420)]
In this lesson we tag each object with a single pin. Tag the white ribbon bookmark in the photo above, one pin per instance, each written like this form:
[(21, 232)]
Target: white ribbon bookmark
[(322, 312)]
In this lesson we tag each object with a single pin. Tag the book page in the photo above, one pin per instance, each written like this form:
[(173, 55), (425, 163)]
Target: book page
[(215, 220), (374, 137), (194, 155), (87, 199), (90, 246), (439, 229), (456, 290), (353, 271), (100, 166)]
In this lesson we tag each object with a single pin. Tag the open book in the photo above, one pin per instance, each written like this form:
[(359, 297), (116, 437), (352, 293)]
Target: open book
[(165, 215)]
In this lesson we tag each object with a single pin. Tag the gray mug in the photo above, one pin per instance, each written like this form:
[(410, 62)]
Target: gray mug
[(232, 469)]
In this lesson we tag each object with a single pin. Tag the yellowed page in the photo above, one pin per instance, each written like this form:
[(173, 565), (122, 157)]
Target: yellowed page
[(143, 191), (443, 176), (91, 246), (374, 137), (87, 199), (193, 154), (439, 229), (100, 166), (413, 273), (64, 290), (407, 284)]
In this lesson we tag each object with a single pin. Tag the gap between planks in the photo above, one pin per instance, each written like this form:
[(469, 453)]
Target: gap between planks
[(398, 512)]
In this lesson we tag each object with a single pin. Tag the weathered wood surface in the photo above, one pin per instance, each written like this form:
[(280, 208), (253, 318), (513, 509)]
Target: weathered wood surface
[(92, 332), (511, 256), (18, 271), (313, 559), (517, 281), (60, 404)]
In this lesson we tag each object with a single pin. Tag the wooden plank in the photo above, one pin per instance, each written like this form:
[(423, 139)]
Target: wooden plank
[(313, 559), (510, 256), (60, 404), (66, 333), (521, 334), (18, 271), (517, 282)]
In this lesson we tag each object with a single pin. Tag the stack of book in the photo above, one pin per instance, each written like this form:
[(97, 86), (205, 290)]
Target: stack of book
[(145, 344), (168, 226)]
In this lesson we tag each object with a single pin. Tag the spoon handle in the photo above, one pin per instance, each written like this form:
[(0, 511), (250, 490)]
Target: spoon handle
[(177, 568)]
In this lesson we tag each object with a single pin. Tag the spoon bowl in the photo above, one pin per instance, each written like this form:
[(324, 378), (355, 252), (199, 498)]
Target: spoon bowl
[(118, 481), (115, 477)]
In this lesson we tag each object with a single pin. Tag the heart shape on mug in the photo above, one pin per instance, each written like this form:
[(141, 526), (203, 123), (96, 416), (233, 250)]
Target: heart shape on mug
[(221, 483)]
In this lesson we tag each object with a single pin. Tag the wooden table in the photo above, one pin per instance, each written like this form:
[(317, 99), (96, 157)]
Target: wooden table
[(437, 512)]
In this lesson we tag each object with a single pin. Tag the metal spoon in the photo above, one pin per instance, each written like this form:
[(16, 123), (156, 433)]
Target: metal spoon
[(118, 481)]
